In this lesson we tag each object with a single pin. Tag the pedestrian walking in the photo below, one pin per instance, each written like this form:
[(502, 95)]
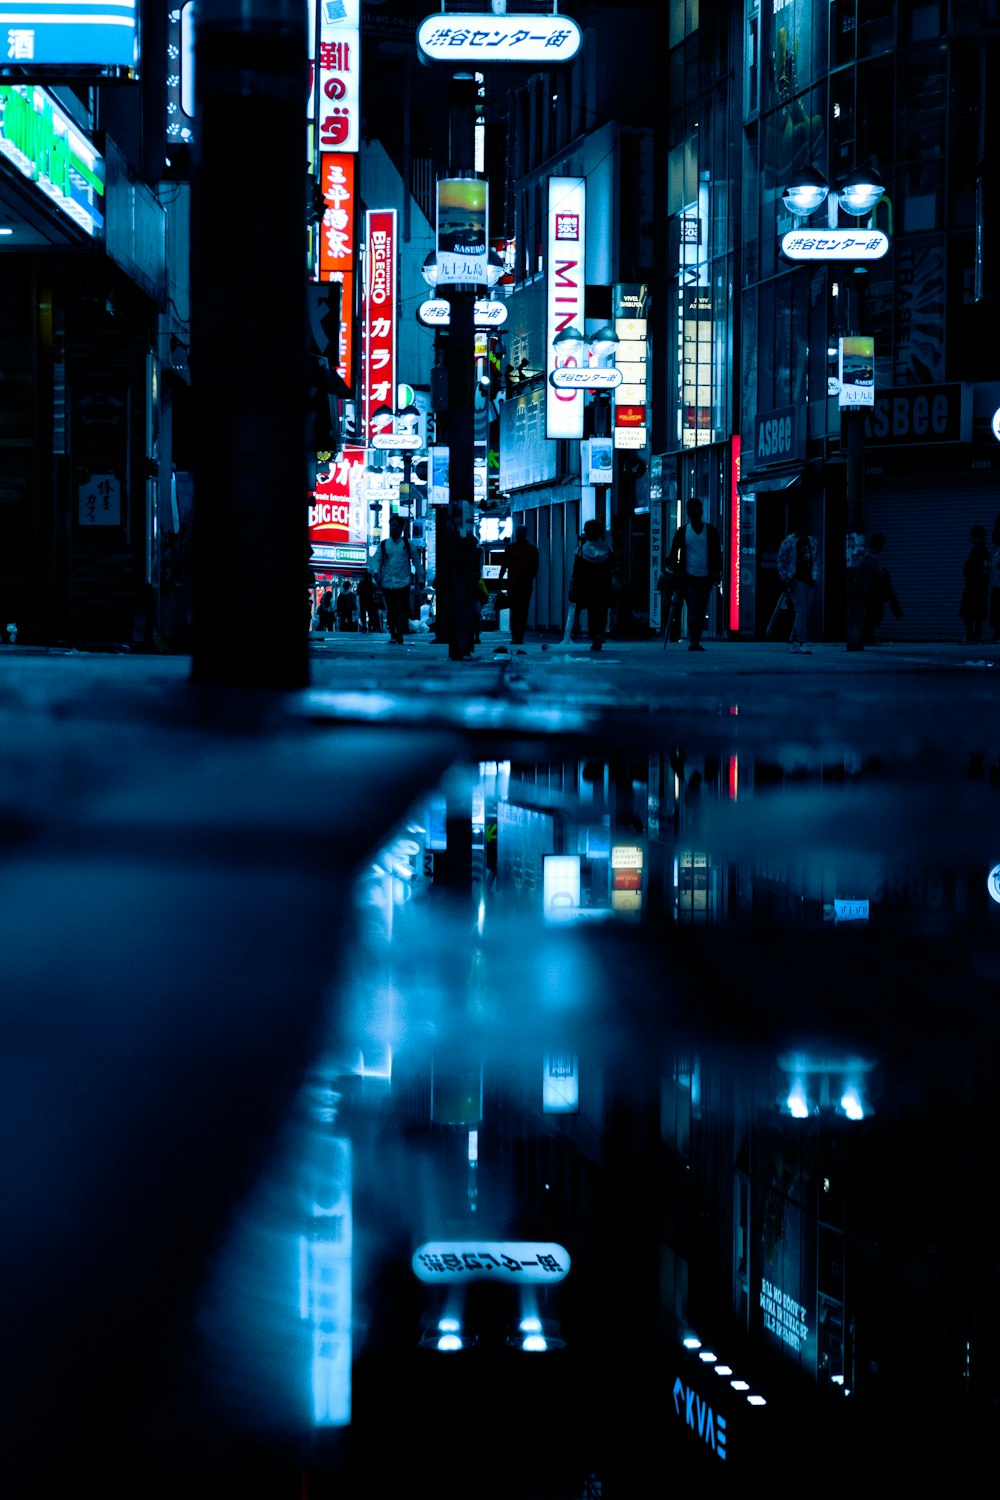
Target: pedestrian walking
[(798, 571), (394, 569), (695, 563), (324, 614), (976, 571), (370, 619), (519, 566), (878, 589), (590, 582), (347, 607)]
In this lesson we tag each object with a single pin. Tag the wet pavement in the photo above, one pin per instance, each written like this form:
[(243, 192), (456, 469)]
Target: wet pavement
[(681, 967)]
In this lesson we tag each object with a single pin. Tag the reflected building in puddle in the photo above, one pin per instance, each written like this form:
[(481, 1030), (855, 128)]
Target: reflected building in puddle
[(698, 1031)]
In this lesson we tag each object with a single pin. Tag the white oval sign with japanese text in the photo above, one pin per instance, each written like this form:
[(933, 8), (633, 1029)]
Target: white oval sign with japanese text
[(491, 39), (448, 1261)]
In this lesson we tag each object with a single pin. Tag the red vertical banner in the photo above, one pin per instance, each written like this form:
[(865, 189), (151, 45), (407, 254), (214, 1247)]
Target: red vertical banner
[(378, 315), (734, 537)]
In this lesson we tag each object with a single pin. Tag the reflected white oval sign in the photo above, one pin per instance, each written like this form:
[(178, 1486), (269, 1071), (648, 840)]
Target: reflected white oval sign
[(444, 1262)]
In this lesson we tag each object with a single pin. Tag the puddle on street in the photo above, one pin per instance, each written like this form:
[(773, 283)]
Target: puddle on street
[(651, 1129)]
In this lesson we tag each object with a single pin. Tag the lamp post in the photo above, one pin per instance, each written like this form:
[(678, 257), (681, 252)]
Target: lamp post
[(858, 194), (583, 364), (453, 393)]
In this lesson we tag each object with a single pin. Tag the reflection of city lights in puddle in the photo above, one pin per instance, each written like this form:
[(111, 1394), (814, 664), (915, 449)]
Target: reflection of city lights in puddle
[(530, 1325), (535, 1343), (993, 883), (449, 1342), (708, 1356), (798, 1104), (851, 1105), (448, 1325), (691, 1342), (756, 1401), (723, 1370), (739, 1385)]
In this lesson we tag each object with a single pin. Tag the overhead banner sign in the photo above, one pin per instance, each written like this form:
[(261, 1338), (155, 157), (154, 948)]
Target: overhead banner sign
[(45, 146), (339, 75), (378, 357), (487, 40), (461, 231), (435, 312), (69, 36), (444, 1262), (566, 279), (834, 244)]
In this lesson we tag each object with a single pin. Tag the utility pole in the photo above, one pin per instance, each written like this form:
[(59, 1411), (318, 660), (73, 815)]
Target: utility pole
[(854, 423), (248, 346), (461, 388)]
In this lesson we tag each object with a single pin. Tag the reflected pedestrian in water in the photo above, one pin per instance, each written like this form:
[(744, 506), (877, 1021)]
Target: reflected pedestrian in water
[(976, 571)]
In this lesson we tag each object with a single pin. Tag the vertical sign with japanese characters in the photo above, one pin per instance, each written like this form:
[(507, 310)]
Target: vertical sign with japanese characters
[(378, 356), (336, 245), (337, 515), (566, 279), (339, 75)]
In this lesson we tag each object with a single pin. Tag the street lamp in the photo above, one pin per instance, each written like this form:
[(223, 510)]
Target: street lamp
[(858, 194)]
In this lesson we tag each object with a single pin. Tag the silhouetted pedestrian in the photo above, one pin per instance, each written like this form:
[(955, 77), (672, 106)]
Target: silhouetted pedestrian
[(520, 567), (975, 595), (590, 581), (695, 562), (393, 571), (798, 571)]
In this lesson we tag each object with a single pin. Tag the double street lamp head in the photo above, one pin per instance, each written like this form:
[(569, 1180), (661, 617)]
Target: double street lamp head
[(858, 193)]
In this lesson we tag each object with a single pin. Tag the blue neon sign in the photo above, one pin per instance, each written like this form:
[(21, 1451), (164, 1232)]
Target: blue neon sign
[(79, 33)]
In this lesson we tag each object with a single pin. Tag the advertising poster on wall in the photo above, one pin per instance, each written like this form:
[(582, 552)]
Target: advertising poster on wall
[(461, 231)]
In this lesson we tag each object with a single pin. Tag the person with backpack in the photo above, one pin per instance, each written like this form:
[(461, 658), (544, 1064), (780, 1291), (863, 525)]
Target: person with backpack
[(797, 569), (393, 572), (347, 607), (590, 581)]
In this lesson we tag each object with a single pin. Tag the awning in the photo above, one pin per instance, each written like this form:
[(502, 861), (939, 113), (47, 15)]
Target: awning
[(771, 479)]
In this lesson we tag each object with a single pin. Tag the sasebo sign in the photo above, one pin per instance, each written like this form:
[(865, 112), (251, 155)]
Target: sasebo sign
[(583, 378), (491, 39), (436, 313), (834, 244), (449, 1261)]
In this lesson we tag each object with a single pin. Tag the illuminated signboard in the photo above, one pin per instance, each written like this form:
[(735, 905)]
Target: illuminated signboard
[(78, 34), (561, 1085), (487, 40), (857, 372), (834, 244), (436, 313), (585, 378), (337, 514), (447, 1262), (339, 76), (324, 1284), (45, 146), (379, 314), (565, 270)]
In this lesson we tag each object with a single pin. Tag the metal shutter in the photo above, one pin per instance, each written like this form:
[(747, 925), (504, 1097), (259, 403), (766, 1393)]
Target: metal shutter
[(926, 524)]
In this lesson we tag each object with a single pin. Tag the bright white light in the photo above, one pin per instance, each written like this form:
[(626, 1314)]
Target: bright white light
[(708, 1356), (530, 1325), (692, 1343), (739, 1385), (837, 1379), (851, 1105), (756, 1401), (723, 1370), (449, 1343), (534, 1343), (473, 1145), (448, 1325), (797, 1103)]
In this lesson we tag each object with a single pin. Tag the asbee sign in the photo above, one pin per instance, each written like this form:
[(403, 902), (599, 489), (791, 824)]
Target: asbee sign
[(776, 436), (920, 414)]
